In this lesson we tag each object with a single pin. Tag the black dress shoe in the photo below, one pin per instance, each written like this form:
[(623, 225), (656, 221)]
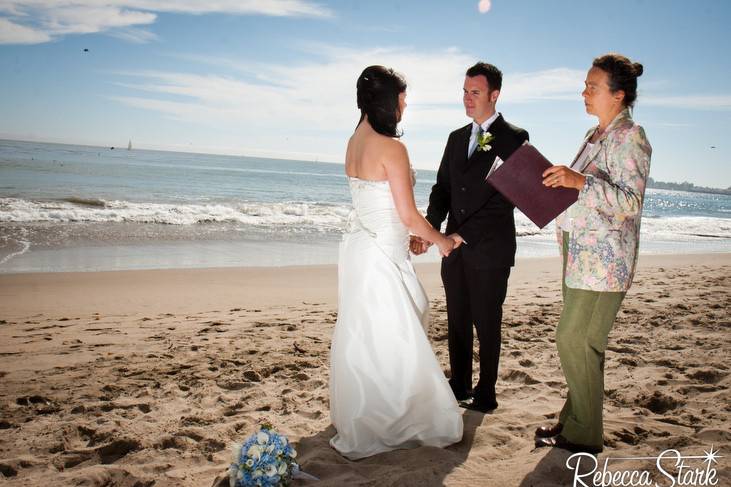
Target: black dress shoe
[(464, 396), (549, 431), (561, 442), (477, 405)]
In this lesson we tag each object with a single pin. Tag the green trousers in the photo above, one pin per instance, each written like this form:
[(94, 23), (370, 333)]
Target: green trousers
[(581, 338)]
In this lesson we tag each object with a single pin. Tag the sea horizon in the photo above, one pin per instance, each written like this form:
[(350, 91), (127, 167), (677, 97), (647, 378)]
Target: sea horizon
[(713, 190)]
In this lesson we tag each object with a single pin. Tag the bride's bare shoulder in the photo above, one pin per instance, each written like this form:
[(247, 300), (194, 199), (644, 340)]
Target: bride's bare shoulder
[(395, 150)]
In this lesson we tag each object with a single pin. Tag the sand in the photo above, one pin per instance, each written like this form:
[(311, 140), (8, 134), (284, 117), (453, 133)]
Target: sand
[(145, 378)]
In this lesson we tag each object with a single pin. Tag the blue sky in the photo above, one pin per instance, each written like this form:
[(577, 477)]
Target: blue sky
[(276, 78)]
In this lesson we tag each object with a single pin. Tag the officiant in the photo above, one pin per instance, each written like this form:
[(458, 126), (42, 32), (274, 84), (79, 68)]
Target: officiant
[(599, 237)]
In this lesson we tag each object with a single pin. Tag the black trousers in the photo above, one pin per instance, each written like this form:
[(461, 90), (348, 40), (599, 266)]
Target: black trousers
[(475, 297)]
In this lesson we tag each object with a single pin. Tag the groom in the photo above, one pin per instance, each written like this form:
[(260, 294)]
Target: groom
[(475, 274)]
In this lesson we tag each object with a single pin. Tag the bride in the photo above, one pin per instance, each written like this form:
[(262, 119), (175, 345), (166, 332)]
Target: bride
[(387, 390)]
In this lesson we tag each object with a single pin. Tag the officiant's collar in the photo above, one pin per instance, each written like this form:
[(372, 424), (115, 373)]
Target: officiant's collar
[(486, 124)]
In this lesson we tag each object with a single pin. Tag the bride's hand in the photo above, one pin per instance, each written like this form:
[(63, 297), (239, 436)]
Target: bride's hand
[(417, 245)]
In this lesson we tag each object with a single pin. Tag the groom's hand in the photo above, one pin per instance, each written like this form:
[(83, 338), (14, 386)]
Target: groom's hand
[(457, 239)]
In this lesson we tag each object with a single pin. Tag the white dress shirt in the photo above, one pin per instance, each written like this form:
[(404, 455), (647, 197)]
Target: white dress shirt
[(476, 128)]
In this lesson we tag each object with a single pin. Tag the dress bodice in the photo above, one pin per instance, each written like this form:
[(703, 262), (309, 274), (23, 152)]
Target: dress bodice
[(374, 214)]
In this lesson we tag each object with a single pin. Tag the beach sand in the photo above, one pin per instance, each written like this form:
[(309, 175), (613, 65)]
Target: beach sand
[(145, 378)]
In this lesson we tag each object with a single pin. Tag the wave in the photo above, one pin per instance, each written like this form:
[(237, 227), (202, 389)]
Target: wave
[(84, 210), (19, 241), (293, 217), (85, 201), (686, 228), (654, 228)]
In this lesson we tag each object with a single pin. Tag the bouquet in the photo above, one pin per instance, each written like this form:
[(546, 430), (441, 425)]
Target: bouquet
[(265, 459)]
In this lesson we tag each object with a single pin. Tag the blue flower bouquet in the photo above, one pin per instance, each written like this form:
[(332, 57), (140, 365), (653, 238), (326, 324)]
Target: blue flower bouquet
[(265, 459)]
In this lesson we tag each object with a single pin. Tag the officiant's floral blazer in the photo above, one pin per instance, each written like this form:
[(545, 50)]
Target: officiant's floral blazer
[(605, 220)]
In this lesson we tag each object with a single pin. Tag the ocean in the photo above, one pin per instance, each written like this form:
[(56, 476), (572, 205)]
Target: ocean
[(80, 208)]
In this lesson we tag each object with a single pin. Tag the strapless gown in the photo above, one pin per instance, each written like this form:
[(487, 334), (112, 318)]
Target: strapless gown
[(387, 390)]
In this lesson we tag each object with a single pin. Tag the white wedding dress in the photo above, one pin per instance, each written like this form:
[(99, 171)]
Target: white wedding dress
[(387, 390)]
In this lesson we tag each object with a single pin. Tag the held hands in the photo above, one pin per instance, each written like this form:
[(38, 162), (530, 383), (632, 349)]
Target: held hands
[(450, 242), (446, 244), (562, 176)]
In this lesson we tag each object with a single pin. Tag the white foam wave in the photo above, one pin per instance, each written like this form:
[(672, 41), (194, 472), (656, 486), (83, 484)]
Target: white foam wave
[(686, 227), (20, 240), (260, 214), (677, 228), (293, 216)]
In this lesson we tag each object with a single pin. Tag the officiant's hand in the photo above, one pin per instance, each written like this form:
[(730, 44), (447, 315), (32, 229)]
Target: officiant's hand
[(558, 176)]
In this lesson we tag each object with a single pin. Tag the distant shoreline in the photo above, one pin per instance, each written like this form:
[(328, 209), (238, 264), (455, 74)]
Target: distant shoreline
[(687, 187)]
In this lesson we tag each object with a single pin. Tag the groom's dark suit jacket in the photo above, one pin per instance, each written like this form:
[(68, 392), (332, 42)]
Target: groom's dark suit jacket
[(477, 212)]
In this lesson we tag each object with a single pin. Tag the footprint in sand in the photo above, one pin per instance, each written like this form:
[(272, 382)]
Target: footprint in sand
[(38, 404), (658, 402), (8, 470), (233, 385), (707, 376), (105, 454), (518, 376), (628, 362), (631, 437)]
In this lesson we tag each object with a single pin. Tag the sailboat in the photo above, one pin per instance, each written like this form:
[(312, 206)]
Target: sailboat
[(129, 145)]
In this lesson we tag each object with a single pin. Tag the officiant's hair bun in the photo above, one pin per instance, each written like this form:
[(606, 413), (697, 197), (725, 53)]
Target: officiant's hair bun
[(378, 89), (622, 74)]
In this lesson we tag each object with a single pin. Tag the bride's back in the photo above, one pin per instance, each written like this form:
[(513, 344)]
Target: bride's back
[(365, 154)]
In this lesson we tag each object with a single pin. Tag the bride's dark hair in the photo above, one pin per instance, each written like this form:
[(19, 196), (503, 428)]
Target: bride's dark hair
[(378, 90)]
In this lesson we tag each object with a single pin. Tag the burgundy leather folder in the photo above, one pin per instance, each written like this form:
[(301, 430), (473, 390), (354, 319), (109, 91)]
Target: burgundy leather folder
[(519, 180)]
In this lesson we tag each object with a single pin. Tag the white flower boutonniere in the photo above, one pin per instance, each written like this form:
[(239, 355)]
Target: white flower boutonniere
[(483, 141)]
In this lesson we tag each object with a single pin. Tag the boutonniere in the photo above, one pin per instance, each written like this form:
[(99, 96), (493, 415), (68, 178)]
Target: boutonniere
[(483, 141)]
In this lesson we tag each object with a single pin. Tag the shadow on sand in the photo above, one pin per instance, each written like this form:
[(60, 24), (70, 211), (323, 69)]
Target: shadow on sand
[(423, 466)]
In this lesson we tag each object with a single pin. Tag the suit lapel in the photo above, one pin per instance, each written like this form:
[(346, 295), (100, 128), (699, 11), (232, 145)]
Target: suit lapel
[(487, 157), (467, 131)]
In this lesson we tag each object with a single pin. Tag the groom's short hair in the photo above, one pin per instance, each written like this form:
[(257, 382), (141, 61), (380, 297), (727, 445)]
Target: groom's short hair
[(493, 75)]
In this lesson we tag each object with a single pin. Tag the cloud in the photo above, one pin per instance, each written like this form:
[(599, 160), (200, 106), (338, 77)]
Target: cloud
[(38, 21), (134, 35), (549, 84), (567, 84), (698, 102), (12, 33), (484, 6), (317, 95), (87, 20), (255, 103)]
